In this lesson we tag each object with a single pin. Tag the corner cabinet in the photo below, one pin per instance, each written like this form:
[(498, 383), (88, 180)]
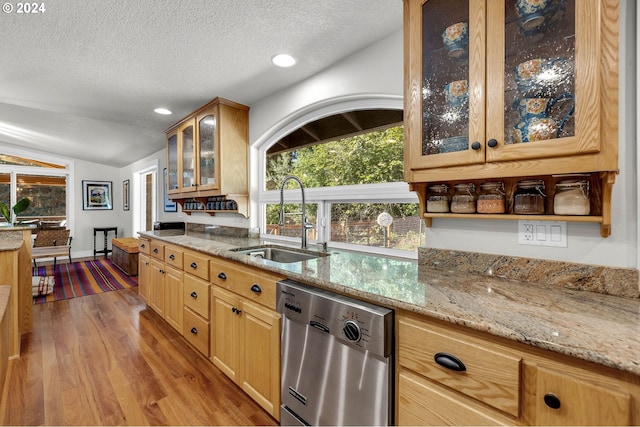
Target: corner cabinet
[(507, 90), (207, 159)]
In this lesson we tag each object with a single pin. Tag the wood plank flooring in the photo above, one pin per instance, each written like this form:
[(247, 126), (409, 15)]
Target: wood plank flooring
[(107, 359)]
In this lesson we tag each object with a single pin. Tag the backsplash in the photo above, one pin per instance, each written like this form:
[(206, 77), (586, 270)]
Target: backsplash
[(622, 282), (221, 230)]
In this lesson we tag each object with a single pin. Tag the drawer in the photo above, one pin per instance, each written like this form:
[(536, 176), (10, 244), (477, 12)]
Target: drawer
[(157, 250), (491, 374), (144, 246), (255, 285), (195, 329), (197, 264), (422, 403), (173, 256), (197, 295)]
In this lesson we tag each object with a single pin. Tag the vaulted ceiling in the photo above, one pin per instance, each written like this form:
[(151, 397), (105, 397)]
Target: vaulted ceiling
[(82, 77)]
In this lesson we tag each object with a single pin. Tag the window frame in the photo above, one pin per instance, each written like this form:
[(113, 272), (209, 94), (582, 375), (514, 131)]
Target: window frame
[(393, 192)]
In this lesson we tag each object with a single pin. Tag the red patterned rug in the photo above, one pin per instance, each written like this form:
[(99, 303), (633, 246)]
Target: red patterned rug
[(83, 278)]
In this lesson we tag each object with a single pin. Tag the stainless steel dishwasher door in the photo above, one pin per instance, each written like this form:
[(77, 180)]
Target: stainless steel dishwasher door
[(329, 378), (338, 384)]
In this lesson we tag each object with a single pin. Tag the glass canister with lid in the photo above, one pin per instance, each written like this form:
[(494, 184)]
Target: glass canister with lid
[(491, 198), (572, 197), (464, 198), (438, 200), (529, 197)]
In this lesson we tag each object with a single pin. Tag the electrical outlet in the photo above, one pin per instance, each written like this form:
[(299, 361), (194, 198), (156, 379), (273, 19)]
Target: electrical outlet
[(542, 233)]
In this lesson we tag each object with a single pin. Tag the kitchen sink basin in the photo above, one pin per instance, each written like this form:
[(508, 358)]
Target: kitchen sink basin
[(280, 254)]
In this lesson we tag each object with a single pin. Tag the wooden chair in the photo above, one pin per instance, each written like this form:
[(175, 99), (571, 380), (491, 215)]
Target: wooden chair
[(51, 243)]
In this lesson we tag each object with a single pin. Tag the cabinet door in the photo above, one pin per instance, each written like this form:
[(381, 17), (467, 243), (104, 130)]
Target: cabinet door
[(226, 328), (444, 103), (261, 364), (173, 306), (156, 287), (566, 400), (188, 155), (172, 163), (208, 146), (543, 92), (144, 273), (421, 403)]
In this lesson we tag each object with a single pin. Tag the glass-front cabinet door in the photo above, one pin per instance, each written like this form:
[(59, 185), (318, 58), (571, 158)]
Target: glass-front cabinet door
[(187, 138), (501, 80), (172, 163), (207, 151)]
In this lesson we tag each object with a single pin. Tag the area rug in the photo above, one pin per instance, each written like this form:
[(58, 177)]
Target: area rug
[(83, 278)]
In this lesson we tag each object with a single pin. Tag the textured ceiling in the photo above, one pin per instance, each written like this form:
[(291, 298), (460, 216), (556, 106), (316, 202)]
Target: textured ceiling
[(82, 78)]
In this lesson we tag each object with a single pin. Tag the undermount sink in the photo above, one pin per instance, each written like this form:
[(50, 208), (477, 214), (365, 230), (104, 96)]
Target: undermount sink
[(279, 253)]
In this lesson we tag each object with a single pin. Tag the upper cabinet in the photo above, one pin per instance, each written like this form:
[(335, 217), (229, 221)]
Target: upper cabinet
[(208, 158), (510, 89)]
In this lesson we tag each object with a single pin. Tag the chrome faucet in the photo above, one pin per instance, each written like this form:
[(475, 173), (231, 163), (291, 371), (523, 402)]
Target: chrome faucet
[(305, 224)]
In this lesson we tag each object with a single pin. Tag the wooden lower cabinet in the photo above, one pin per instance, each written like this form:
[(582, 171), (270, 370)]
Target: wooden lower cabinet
[(423, 403), (503, 382), (245, 345), (156, 287), (173, 306), (144, 274)]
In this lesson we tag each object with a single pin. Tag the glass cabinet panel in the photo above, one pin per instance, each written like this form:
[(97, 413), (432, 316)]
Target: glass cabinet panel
[(206, 144), (172, 162), (539, 82), (188, 159), (445, 76)]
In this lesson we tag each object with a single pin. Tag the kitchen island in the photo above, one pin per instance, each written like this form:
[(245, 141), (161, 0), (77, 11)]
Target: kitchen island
[(531, 325)]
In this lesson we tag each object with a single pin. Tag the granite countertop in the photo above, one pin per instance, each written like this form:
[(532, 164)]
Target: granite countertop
[(595, 327)]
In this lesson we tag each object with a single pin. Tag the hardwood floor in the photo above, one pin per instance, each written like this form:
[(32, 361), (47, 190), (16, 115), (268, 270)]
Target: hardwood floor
[(107, 359)]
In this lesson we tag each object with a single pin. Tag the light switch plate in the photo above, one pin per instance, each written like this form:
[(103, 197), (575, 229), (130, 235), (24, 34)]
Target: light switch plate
[(542, 233)]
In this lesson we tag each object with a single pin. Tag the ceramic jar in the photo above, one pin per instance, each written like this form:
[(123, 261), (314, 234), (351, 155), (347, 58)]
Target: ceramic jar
[(456, 38)]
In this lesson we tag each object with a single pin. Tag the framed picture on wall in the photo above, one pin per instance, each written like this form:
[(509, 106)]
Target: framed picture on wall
[(96, 195), (169, 205), (125, 195)]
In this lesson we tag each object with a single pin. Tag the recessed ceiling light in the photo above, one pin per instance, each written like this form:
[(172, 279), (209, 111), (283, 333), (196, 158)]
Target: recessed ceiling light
[(163, 111), (283, 60)]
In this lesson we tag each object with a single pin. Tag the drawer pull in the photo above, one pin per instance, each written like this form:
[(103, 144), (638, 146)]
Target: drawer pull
[(172, 257), (193, 265), (155, 251), (222, 276), (142, 245), (449, 361), (235, 310), (194, 294), (552, 401), (194, 330), (256, 288)]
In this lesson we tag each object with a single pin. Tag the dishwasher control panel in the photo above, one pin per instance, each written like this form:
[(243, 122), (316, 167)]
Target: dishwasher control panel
[(358, 323)]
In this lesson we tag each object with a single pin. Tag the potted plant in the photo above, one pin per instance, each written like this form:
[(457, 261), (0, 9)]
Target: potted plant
[(18, 208)]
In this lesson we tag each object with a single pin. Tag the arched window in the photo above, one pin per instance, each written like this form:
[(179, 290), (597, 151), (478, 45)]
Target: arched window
[(351, 164)]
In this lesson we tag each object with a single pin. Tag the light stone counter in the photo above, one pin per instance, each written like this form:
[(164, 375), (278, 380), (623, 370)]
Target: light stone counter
[(600, 328)]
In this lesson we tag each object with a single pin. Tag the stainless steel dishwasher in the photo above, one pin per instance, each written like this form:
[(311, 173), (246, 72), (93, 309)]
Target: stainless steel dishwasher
[(337, 358)]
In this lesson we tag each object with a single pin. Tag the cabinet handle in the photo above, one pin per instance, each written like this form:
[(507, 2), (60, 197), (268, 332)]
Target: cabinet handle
[(194, 330), (172, 257), (492, 143), (476, 145), (161, 271), (194, 265), (238, 311), (194, 294), (222, 276), (142, 245), (552, 401), (449, 361), (155, 251), (256, 288)]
